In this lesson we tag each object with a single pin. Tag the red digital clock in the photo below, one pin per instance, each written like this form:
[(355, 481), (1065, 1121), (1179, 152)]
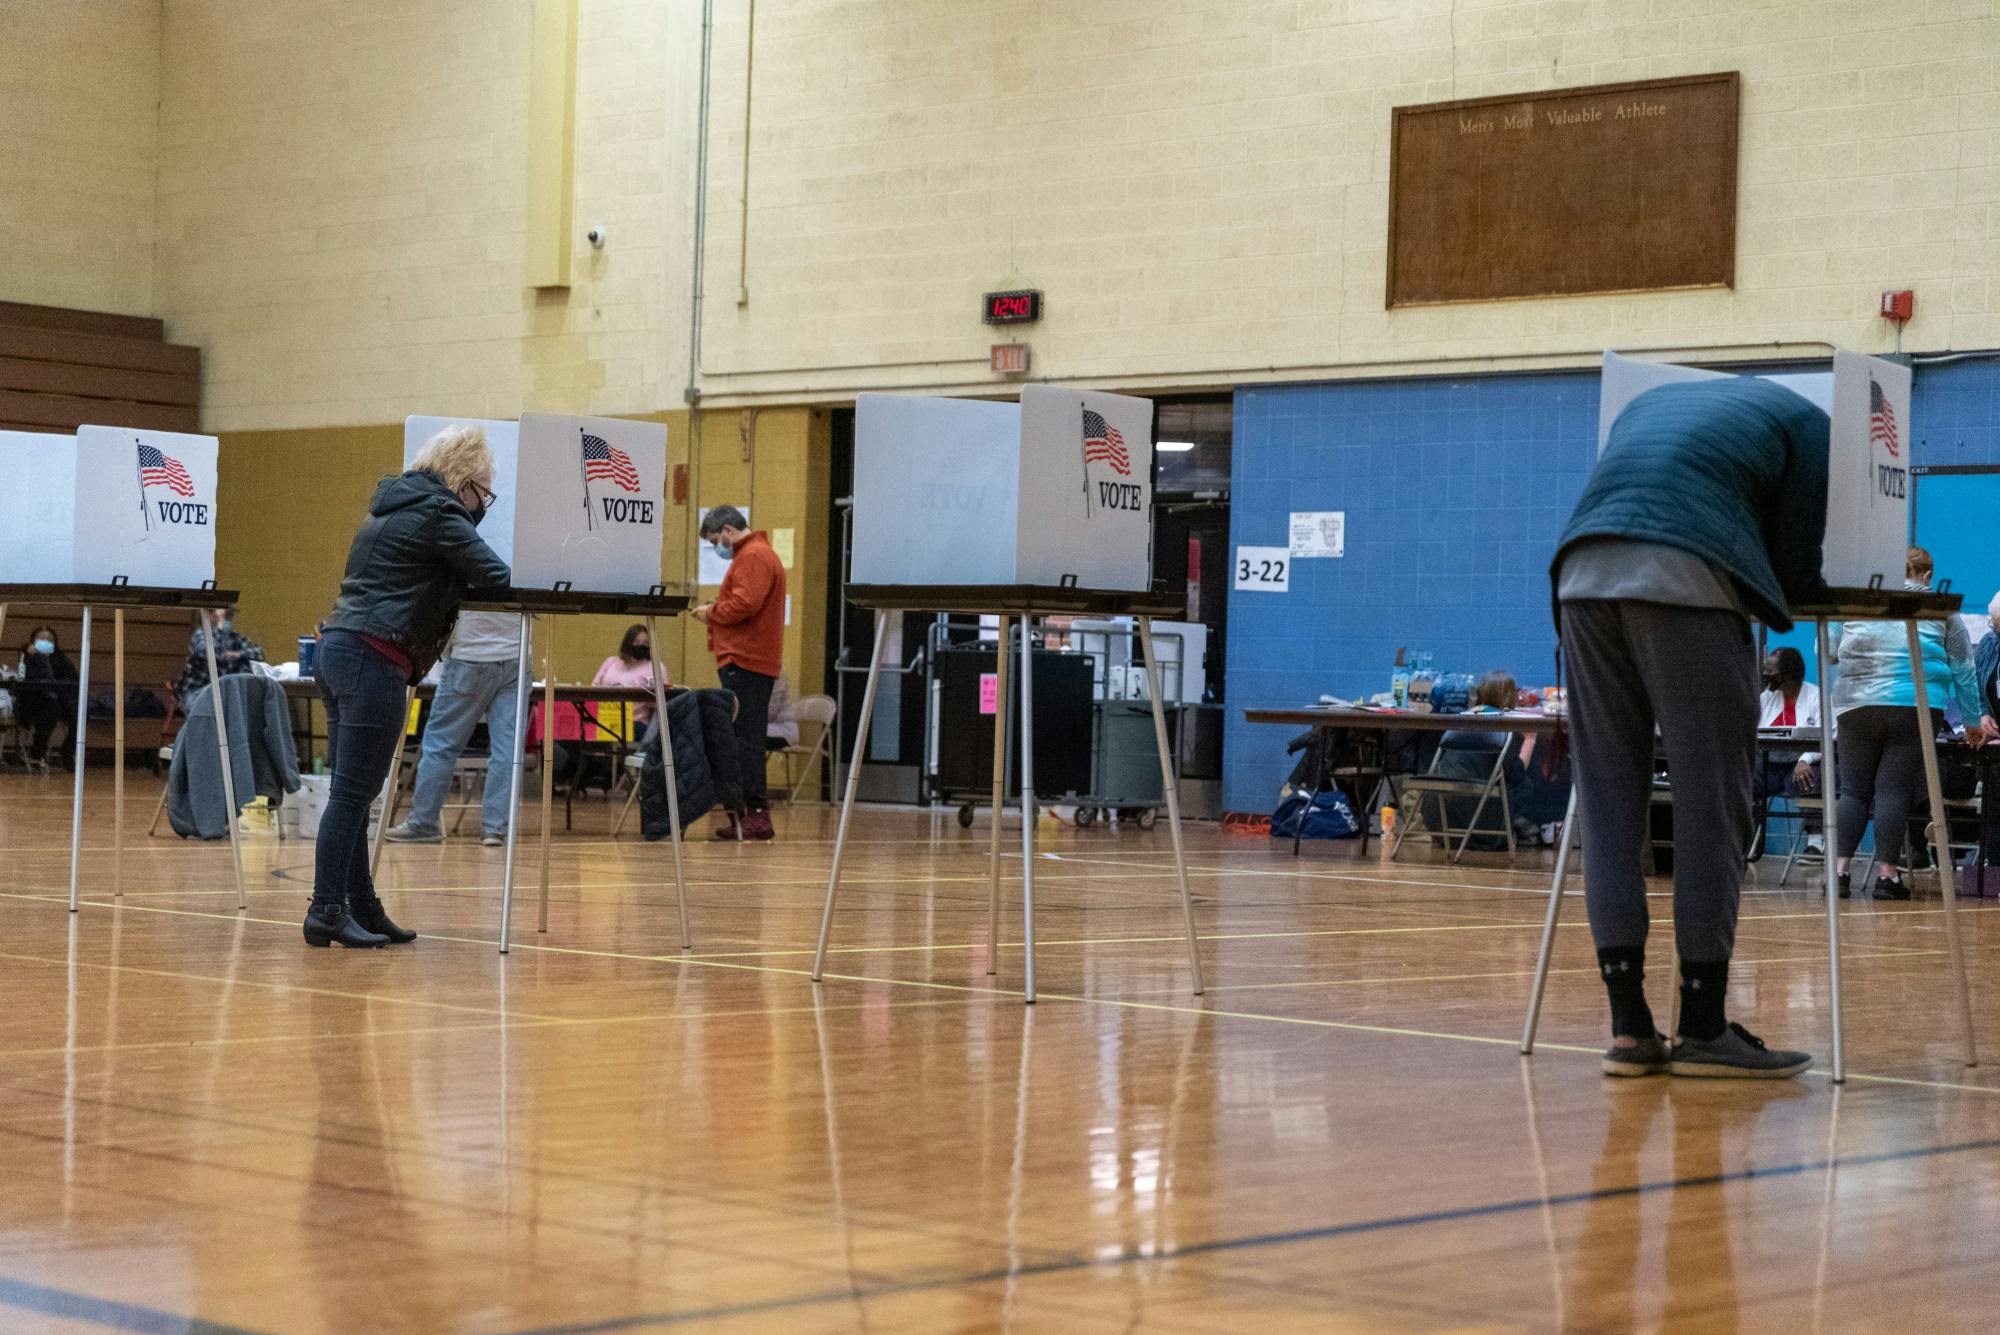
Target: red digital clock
[(1012, 307)]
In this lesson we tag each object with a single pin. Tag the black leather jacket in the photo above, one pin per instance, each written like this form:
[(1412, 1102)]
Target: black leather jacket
[(409, 568)]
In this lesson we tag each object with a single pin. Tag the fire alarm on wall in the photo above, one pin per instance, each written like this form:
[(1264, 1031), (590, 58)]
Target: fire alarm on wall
[(1899, 305)]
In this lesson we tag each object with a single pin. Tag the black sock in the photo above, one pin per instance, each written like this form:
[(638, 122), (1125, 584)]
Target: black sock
[(1702, 989), (1624, 970)]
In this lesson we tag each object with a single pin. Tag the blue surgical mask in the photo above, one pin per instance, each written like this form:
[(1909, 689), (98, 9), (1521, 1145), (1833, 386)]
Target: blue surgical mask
[(724, 550), (45, 646), (225, 624)]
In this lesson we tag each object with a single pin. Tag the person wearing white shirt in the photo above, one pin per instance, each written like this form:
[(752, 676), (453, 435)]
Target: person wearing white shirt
[(1790, 701)]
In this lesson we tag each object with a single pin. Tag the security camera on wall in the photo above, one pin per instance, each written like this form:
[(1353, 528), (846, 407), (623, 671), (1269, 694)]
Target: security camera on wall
[(595, 236)]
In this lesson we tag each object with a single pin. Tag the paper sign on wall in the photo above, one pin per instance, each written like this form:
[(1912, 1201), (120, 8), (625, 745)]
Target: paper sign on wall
[(710, 565), (592, 494), (989, 692), (1263, 569), (1319, 533), (504, 440), (37, 523), (145, 507)]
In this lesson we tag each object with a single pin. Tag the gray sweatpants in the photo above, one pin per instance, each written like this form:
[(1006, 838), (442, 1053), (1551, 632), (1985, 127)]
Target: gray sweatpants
[(1693, 671)]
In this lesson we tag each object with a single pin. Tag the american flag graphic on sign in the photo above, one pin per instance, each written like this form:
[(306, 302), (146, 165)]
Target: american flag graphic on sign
[(1102, 443), (1882, 421), (606, 462), (163, 470)]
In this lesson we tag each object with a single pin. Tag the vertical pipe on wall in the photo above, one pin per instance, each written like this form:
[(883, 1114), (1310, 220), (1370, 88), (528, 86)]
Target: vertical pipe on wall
[(743, 200)]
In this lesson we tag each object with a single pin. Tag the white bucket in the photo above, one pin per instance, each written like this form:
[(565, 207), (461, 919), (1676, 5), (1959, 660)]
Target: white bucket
[(310, 802)]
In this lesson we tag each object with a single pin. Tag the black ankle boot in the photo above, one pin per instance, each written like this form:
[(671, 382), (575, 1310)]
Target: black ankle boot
[(328, 923), (1888, 889), (1845, 891), (374, 918)]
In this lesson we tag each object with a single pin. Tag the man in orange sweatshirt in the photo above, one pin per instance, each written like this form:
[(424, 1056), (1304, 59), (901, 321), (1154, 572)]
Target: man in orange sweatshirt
[(746, 633)]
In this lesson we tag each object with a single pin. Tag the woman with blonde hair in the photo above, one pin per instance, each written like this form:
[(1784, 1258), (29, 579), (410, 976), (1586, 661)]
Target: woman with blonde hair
[(411, 563)]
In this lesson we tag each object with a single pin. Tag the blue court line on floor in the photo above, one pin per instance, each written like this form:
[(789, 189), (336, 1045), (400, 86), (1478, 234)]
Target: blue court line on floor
[(104, 1312), (863, 1292)]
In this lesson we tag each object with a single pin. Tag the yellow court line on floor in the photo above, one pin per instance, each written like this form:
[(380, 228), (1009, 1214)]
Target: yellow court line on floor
[(497, 1026), (1163, 1007), (62, 962), (1739, 960)]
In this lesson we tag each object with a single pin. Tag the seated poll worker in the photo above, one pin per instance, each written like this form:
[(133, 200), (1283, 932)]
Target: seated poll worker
[(44, 695), (1708, 506), (1881, 754), (411, 562), (1789, 701), (478, 682), (234, 652)]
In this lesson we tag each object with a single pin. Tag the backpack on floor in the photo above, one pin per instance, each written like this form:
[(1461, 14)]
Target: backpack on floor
[(1328, 818)]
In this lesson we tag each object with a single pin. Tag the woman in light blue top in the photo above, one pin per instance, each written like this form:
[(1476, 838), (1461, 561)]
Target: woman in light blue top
[(1875, 706)]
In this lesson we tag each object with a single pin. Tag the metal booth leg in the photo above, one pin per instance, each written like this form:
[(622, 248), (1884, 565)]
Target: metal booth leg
[(207, 617), (514, 779), (1564, 842), (392, 786), (1002, 711), (1941, 846), (1028, 814), (549, 767), (853, 784), (118, 752), (1830, 802), (82, 721), (1154, 678), (667, 773)]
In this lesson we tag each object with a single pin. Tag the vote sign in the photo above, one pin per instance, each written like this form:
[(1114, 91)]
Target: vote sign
[(145, 507), (591, 492)]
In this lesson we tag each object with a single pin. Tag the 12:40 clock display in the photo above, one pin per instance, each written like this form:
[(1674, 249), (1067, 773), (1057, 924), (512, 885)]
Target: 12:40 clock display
[(1012, 307)]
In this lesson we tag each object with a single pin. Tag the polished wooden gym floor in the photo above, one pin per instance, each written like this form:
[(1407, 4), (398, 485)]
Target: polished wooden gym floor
[(208, 1127)]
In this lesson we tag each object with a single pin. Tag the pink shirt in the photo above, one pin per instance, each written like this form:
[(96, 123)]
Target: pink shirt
[(613, 672)]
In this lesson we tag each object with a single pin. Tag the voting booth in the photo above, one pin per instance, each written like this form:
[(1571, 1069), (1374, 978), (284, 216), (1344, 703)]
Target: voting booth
[(115, 517), (579, 521), (109, 505), (1013, 510), (1868, 454), (1056, 488), (1867, 401)]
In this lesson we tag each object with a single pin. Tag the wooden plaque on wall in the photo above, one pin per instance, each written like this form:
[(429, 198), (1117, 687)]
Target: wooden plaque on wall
[(1621, 187)]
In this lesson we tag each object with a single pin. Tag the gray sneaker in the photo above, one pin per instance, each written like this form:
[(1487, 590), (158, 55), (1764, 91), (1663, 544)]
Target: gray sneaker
[(1736, 1053), (492, 839), (407, 833), (1648, 1056)]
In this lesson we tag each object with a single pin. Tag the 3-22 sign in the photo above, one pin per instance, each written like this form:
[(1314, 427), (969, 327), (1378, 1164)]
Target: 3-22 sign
[(1263, 569)]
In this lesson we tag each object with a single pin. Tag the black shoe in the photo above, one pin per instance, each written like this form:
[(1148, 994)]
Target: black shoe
[(1888, 889), (328, 923), (1844, 890), (374, 918)]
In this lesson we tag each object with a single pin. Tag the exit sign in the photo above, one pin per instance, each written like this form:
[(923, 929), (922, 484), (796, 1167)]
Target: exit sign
[(1010, 359)]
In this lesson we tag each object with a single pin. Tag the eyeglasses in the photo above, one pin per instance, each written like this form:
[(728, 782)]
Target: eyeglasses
[(487, 497)]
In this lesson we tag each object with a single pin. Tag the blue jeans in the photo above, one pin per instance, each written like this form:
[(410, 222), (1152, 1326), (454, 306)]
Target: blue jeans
[(467, 693), (364, 712)]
